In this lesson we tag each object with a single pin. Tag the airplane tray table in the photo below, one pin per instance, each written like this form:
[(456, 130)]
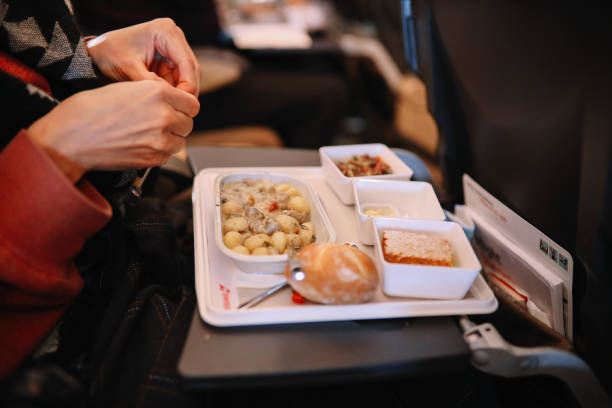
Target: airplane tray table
[(311, 352)]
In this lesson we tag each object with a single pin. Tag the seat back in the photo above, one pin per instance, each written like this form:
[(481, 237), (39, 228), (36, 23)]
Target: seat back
[(520, 91)]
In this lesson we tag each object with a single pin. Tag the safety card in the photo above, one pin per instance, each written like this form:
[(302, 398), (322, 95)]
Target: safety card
[(529, 266)]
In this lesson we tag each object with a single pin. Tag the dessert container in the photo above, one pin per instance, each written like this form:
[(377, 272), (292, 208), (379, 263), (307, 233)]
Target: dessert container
[(427, 281)]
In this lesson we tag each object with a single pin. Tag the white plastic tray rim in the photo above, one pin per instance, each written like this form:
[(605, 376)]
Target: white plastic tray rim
[(217, 305)]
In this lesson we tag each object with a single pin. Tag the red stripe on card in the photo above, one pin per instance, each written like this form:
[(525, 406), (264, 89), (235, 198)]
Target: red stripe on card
[(509, 286)]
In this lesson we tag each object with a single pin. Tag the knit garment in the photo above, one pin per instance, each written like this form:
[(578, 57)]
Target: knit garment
[(43, 36)]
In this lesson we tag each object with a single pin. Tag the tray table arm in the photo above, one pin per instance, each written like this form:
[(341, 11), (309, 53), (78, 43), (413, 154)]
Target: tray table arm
[(493, 355)]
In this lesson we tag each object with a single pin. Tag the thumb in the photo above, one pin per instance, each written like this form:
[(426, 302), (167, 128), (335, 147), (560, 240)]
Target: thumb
[(137, 71), (188, 87)]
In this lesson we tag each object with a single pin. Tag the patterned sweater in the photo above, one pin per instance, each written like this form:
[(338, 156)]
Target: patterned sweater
[(45, 219), (40, 34)]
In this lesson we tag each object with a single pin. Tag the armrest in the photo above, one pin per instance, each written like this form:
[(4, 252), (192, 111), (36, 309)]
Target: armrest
[(493, 355)]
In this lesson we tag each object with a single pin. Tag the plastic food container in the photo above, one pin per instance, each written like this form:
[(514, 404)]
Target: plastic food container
[(394, 199), (269, 264), (424, 281), (341, 184)]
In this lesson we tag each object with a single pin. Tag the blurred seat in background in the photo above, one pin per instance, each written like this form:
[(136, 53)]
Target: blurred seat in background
[(220, 68), (373, 32)]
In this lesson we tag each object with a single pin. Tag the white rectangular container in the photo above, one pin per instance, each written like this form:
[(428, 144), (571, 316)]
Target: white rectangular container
[(341, 184), (425, 281), (270, 264), (408, 199)]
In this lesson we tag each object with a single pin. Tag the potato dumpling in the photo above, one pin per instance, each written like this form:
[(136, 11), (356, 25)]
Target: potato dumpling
[(287, 224), (282, 188), (298, 204), (306, 233), (232, 239), (273, 251), (260, 251), (235, 224), (231, 207), (294, 240), (256, 241), (265, 237), (241, 249), (293, 192), (279, 241)]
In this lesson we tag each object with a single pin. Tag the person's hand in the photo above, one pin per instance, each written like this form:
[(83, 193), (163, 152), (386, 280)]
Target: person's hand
[(119, 126), (152, 50)]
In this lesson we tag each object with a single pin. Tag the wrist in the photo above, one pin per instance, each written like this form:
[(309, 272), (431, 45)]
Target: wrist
[(91, 44), (39, 134), (71, 169)]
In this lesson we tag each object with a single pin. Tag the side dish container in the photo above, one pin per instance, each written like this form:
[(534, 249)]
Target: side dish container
[(341, 184), (424, 281), (401, 199), (270, 264)]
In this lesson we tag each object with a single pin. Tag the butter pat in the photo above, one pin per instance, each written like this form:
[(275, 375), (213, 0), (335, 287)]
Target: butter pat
[(380, 211)]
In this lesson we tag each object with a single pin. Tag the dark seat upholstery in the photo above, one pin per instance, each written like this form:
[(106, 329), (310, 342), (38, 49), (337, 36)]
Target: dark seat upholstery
[(521, 93)]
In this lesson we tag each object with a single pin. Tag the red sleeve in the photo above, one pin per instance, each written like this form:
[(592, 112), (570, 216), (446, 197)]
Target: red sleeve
[(44, 222)]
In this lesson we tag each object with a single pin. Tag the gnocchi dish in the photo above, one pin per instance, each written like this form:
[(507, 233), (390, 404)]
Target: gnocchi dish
[(259, 217)]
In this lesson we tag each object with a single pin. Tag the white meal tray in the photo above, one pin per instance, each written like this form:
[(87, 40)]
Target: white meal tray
[(221, 286)]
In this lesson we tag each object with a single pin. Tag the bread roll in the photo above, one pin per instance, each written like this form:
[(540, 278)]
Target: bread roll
[(335, 274)]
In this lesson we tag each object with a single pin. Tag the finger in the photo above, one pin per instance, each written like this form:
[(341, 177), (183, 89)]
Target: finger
[(165, 69), (159, 160), (174, 47), (165, 144), (181, 124), (182, 101), (174, 143), (181, 143), (137, 71), (188, 81), (198, 74), (195, 66)]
